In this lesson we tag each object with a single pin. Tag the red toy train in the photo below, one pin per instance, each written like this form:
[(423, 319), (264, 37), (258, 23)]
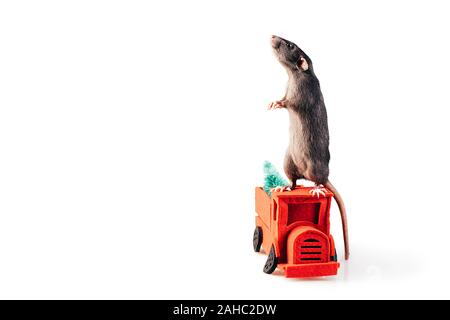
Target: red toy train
[(293, 227)]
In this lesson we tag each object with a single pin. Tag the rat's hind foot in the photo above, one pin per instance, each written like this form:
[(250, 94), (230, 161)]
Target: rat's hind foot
[(280, 189), (276, 105), (318, 191)]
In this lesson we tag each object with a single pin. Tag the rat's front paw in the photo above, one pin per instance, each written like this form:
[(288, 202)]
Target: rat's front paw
[(276, 105)]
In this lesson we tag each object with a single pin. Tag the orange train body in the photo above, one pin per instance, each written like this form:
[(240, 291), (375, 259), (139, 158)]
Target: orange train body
[(293, 227)]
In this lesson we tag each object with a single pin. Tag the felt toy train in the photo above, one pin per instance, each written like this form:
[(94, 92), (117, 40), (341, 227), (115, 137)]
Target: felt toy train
[(293, 228)]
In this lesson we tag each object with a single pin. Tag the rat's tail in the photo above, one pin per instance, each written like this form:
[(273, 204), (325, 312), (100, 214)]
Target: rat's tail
[(341, 206)]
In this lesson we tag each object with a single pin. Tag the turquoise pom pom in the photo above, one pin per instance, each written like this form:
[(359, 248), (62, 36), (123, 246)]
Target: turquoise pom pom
[(272, 178)]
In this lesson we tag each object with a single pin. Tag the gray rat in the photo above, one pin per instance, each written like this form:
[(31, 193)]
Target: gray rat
[(307, 156)]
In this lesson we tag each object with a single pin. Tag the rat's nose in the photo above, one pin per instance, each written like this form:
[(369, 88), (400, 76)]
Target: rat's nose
[(275, 41)]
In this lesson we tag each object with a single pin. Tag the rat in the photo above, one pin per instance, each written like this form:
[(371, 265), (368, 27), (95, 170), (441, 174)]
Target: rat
[(307, 155)]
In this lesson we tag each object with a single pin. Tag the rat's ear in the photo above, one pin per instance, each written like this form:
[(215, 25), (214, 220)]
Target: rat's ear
[(302, 64)]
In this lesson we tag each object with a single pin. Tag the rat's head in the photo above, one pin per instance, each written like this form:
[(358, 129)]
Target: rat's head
[(291, 56)]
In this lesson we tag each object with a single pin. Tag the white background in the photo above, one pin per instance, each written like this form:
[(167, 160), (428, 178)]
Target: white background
[(132, 135)]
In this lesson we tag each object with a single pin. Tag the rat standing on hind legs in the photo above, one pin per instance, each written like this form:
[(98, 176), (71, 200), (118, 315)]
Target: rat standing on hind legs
[(307, 156)]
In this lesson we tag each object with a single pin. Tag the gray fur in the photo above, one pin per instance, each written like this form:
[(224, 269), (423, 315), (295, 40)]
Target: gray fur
[(308, 154)]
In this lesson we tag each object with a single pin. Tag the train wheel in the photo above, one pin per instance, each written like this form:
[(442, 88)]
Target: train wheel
[(334, 258), (257, 239), (272, 261)]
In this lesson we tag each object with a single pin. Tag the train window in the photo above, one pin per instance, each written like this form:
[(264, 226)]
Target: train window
[(303, 212)]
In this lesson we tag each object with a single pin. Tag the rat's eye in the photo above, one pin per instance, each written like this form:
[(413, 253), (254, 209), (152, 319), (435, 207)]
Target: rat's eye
[(290, 45)]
